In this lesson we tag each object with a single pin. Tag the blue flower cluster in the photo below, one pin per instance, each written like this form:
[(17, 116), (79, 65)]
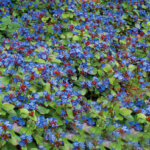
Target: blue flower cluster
[(74, 74)]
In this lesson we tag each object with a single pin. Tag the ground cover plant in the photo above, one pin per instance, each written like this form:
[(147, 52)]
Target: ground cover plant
[(74, 75)]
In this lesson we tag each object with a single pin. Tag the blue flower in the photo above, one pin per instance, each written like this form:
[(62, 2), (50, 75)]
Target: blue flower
[(89, 144), (135, 108), (141, 80), (41, 147), (147, 141), (63, 134), (41, 122), (131, 104), (20, 122), (131, 123), (117, 125), (100, 142), (1, 129), (90, 122), (29, 138), (138, 127), (23, 136), (116, 133), (125, 129), (78, 124), (8, 124), (110, 97), (50, 136), (22, 143), (76, 144), (82, 145)]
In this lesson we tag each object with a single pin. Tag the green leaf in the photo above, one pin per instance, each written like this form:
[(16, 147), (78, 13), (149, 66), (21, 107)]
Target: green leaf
[(42, 110), (117, 64), (148, 94), (62, 88), (25, 130), (70, 114), (123, 41), (45, 19), (125, 111), (49, 29), (97, 91), (47, 87), (6, 20), (141, 118), (2, 143), (82, 18), (65, 15), (76, 38), (62, 36), (65, 42), (59, 120), (107, 68), (74, 97), (74, 78), (52, 104), (39, 61), (97, 56), (32, 89), (4, 80), (125, 5), (113, 92), (34, 149), (38, 139), (24, 148), (129, 118), (137, 25), (100, 72), (83, 91), (14, 139), (15, 26), (67, 145), (112, 80), (94, 71), (32, 146), (1, 99), (148, 23), (132, 67), (124, 16), (96, 130), (24, 111), (7, 45), (2, 112), (31, 124), (3, 26), (54, 60), (117, 86), (144, 6), (69, 35), (137, 12), (8, 106), (74, 23), (78, 138), (8, 146), (58, 109)]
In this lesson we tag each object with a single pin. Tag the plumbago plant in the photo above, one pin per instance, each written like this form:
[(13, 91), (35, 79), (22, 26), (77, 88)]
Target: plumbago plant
[(7, 27), (74, 75)]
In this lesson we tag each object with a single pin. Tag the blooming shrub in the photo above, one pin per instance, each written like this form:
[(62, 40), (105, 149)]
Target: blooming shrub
[(74, 75)]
